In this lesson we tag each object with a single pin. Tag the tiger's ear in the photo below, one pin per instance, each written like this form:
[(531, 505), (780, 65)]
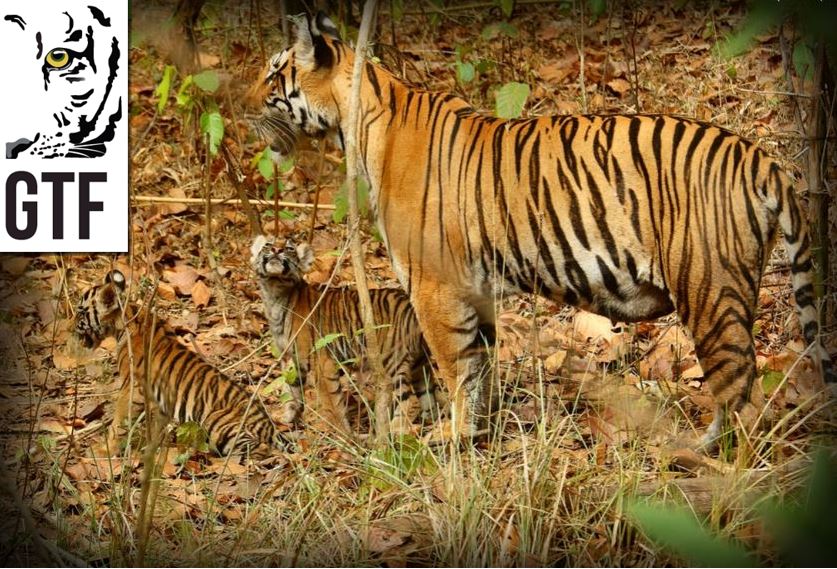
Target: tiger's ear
[(117, 278), (311, 50), (258, 244), (325, 25), (306, 257)]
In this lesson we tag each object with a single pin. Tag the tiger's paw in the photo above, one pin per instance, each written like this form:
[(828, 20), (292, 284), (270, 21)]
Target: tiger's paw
[(445, 432)]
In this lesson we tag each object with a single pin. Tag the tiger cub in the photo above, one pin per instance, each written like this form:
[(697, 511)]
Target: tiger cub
[(298, 317), (182, 384)]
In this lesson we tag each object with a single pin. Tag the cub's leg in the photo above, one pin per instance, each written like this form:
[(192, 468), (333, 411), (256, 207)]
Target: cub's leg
[(331, 400), (402, 392), (424, 388), (458, 337), (127, 398), (293, 408), (720, 318)]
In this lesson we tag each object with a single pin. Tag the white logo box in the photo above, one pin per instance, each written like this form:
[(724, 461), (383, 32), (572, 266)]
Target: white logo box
[(64, 126)]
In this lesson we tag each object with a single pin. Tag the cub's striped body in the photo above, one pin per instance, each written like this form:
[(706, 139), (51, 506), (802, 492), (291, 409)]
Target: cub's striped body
[(182, 385), (631, 217), (299, 314)]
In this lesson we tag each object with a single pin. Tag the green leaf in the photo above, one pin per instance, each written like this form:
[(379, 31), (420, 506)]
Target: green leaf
[(511, 98), (801, 524), (677, 530), (496, 29), (465, 72), (324, 341), (771, 380), (484, 66), (397, 10), (192, 435), (266, 164), (163, 88), (212, 124), (286, 164), (288, 214), (596, 8), (207, 81), (400, 461), (507, 6), (184, 97), (760, 17), (341, 200), (341, 205), (803, 60), (270, 191)]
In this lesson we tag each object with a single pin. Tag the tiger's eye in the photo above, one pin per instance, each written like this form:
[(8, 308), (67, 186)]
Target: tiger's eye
[(58, 58)]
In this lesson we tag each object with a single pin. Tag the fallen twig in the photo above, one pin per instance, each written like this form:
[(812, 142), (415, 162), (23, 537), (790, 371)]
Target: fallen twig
[(223, 201)]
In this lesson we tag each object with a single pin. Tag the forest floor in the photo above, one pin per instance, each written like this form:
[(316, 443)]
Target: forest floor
[(594, 413)]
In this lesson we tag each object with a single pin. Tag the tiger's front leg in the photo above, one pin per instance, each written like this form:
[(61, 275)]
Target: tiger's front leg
[(330, 396), (130, 395), (459, 339), (293, 408)]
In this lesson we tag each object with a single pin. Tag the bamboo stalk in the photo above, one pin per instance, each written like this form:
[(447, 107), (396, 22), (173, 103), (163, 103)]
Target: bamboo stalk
[(221, 201)]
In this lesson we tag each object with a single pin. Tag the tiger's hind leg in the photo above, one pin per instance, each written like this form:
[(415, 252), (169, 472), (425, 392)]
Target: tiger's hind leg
[(458, 336), (721, 321)]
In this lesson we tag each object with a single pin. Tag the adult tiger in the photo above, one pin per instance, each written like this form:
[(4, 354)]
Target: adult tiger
[(631, 217), (65, 72), (181, 384)]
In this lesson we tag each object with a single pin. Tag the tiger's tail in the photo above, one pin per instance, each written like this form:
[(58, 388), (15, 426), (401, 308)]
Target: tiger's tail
[(797, 242)]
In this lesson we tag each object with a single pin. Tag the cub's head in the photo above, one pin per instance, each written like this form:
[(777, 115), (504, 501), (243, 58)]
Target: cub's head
[(283, 263), (99, 309), (62, 77), (304, 86)]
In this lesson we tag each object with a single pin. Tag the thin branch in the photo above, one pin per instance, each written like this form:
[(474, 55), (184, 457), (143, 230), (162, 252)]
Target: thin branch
[(373, 351), (142, 200)]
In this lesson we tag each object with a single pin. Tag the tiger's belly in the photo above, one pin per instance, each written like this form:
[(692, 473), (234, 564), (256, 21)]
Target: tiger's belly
[(629, 293)]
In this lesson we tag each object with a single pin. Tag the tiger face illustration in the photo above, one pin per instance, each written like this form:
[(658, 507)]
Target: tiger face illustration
[(65, 68)]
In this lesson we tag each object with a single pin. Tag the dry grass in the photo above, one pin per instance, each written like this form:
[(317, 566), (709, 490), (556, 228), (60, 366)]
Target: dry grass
[(577, 436)]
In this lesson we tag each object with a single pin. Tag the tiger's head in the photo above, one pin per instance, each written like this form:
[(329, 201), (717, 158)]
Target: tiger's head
[(65, 66), (302, 87), (98, 310), (283, 264)]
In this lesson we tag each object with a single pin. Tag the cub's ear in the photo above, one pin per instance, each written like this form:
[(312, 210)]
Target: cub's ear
[(258, 244), (117, 278), (306, 257), (326, 25)]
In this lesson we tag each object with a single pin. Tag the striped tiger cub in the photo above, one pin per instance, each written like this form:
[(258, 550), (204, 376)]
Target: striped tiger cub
[(628, 216), (181, 383), (298, 318)]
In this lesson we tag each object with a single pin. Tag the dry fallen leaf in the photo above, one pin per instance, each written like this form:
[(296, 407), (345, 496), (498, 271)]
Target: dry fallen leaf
[(201, 294), (619, 86), (554, 362), (182, 277)]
